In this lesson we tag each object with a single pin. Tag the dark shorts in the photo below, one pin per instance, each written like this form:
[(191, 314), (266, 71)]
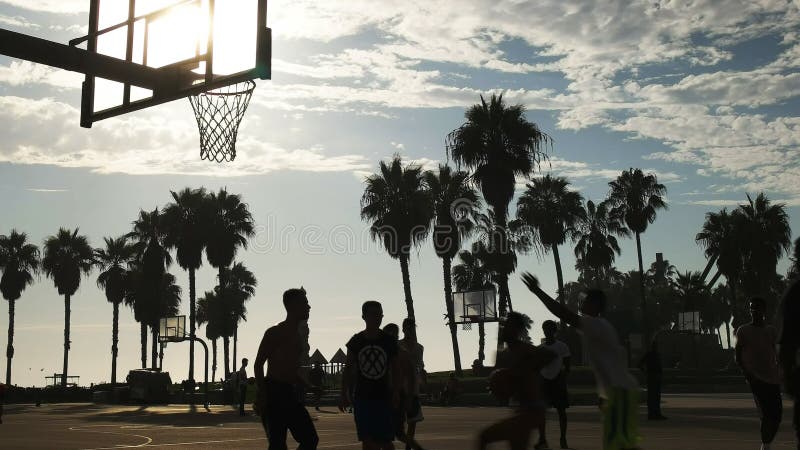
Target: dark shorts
[(555, 392), (413, 409), (284, 413), (768, 398), (376, 420)]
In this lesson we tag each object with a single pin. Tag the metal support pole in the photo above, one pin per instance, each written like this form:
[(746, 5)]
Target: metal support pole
[(205, 348)]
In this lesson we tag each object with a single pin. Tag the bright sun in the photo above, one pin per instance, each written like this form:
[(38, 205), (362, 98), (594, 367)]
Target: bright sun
[(179, 35)]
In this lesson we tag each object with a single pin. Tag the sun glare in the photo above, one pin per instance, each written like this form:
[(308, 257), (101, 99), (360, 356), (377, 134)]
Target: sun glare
[(179, 35)]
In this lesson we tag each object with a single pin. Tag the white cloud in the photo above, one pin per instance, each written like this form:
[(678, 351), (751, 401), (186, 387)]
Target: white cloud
[(19, 73), (136, 145), (16, 21)]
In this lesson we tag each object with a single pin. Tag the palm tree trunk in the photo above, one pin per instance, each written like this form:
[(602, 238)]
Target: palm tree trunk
[(191, 323), (559, 274), (407, 286), (732, 285), (225, 354), (214, 361), (645, 327), (143, 339), (481, 342), (235, 339), (154, 347), (114, 343), (448, 300), (10, 348), (66, 341)]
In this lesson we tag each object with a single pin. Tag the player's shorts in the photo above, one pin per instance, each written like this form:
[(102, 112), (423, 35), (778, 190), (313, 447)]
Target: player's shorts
[(375, 419), (555, 392), (620, 423), (414, 410)]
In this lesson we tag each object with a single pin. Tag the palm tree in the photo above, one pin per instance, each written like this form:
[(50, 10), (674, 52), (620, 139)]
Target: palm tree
[(211, 312), (147, 272), (472, 274), (722, 237), (187, 228), (499, 144), (399, 205), (67, 255), (239, 288), (638, 196), (19, 261), (455, 202), (551, 210), (768, 238), (230, 228), (112, 262), (596, 235)]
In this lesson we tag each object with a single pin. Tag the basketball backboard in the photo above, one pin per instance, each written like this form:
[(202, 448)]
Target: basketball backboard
[(173, 49), (475, 306), (172, 329)]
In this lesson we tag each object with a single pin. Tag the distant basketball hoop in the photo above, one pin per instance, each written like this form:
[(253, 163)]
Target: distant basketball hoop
[(689, 322), (472, 307), (172, 329)]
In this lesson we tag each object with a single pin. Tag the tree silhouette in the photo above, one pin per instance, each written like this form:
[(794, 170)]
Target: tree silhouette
[(19, 261), (230, 228), (722, 236), (67, 256), (499, 144), (455, 202), (399, 206), (240, 287), (147, 271), (596, 235), (112, 262), (187, 225), (638, 197), (551, 210), (766, 226)]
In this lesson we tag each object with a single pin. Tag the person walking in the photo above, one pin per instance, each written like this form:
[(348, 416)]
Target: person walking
[(241, 380), (370, 369), (554, 382), (757, 357), (415, 350), (654, 373), (278, 402), (790, 350)]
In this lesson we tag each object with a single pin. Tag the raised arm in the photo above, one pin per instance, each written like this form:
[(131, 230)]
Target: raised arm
[(558, 310)]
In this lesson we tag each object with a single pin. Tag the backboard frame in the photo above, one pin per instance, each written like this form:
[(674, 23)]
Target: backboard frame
[(176, 80), (172, 329), (475, 306)]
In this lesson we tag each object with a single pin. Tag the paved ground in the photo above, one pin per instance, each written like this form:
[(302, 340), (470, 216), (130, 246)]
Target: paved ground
[(721, 421)]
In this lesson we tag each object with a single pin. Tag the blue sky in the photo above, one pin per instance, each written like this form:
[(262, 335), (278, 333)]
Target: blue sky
[(702, 93)]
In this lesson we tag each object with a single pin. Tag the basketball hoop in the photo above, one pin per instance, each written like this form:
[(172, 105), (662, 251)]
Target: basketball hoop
[(218, 113)]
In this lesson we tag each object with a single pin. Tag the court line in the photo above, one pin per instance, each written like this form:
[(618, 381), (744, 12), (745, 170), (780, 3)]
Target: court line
[(146, 438)]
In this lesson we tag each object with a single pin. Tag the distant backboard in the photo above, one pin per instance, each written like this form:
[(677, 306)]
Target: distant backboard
[(689, 322), (475, 306), (172, 329), (174, 48)]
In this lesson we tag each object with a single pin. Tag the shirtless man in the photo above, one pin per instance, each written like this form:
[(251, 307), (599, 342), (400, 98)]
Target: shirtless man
[(278, 400)]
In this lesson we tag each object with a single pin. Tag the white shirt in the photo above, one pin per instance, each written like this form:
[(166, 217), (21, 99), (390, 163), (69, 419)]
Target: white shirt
[(551, 371), (606, 355)]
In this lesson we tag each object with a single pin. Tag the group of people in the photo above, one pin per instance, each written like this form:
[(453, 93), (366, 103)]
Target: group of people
[(381, 380), (382, 377)]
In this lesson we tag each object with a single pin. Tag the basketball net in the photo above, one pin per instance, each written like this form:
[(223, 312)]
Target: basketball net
[(218, 113)]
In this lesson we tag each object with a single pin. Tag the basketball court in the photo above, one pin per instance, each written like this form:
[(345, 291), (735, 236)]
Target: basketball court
[(723, 422)]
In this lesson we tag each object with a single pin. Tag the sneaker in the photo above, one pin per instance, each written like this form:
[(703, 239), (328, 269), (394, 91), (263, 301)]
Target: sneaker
[(564, 443)]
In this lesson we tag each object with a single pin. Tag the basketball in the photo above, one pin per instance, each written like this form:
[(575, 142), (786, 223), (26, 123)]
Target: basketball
[(502, 384)]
